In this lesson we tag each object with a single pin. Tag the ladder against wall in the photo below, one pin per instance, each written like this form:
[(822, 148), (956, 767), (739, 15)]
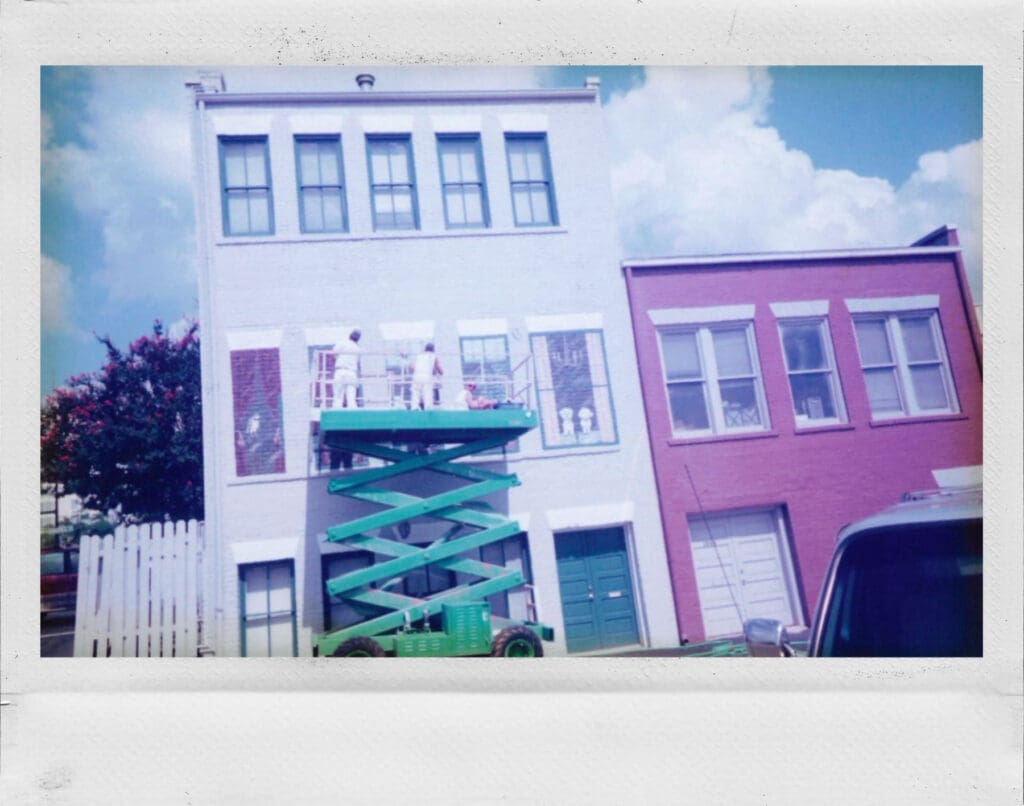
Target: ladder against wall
[(409, 443)]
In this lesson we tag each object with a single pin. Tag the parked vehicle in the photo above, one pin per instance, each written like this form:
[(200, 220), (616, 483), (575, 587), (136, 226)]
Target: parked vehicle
[(58, 580), (906, 582)]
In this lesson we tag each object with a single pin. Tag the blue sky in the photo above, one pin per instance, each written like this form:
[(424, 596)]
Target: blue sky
[(703, 160)]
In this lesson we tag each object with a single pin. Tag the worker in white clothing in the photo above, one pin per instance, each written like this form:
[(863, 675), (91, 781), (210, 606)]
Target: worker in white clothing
[(346, 371), (425, 367)]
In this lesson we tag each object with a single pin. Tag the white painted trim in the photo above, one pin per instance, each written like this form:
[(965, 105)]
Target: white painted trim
[(315, 124), (241, 124), (264, 551), (695, 261), (386, 124), (253, 339), (965, 476), (524, 123), (566, 518), (456, 124), (482, 327), (793, 310), (893, 304), (327, 334), (403, 331), (564, 321), (692, 316)]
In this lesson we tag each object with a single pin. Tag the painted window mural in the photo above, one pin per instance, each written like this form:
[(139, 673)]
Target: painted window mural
[(573, 389), (256, 392)]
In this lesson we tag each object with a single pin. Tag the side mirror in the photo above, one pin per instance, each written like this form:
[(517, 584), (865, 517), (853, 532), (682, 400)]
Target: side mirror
[(767, 638)]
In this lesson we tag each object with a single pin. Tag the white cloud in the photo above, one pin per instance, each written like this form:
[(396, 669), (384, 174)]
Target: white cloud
[(696, 170), (55, 294)]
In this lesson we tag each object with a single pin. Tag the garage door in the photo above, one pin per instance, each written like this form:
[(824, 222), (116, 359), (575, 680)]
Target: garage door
[(743, 569)]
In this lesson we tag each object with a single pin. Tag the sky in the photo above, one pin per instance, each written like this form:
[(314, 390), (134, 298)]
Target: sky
[(703, 160)]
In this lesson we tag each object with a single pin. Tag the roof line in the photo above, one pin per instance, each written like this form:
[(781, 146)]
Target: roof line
[(416, 96), (786, 257)]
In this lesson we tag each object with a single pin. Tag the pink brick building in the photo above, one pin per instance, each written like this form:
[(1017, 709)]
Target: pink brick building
[(788, 394)]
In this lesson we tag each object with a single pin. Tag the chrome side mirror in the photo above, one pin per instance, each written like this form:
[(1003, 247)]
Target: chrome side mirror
[(767, 638)]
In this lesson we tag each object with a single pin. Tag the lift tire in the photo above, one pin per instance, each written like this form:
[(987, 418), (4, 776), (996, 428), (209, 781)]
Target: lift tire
[(517, 642), (359, 647)]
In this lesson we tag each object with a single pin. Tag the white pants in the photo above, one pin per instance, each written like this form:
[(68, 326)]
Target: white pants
[(345, 389), (423, 394)]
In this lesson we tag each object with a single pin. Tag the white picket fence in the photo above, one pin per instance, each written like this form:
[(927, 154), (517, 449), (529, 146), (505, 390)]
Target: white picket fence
[(140, 592)]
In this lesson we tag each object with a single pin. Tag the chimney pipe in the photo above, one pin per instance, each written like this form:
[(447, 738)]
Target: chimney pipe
[(365, 81)]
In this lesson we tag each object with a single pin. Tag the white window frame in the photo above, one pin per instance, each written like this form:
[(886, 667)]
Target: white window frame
[(711, 379), (838, 403), (901, 363)]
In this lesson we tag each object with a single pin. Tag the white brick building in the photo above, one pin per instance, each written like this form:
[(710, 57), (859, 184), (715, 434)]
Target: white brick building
[(480, 221)]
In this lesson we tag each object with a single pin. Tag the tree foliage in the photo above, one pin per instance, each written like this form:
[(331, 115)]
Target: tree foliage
[(128, 438)]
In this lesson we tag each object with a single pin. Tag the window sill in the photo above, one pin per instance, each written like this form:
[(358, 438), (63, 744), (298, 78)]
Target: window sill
[(677, 441), (823, 429), (934, 418), (333, 237)]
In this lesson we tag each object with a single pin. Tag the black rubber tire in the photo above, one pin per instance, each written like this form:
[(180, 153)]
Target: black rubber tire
[(517, 642), (359, 647)]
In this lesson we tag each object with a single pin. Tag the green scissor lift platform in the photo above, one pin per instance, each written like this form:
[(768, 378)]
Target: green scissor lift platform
[(410, 442)]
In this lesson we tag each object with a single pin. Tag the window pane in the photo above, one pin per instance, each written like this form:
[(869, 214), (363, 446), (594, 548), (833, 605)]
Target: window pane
[(449, 163), (534, 160), (256, 591), (382, 206), (812, 395), (539, 198), (917, 337), (468, 163), (259, 211), (682, 359), (280, 588), (689, 411), (454, 206), (281, 636), (739, 404), (402, 199), (521, 202), (474, 208), (398, 163), (873, 342), (308, 163), (333, 220), (328, 164), (255, 165), (883, 392), (732, 354), (312, 210), (517, 160), (238, 214), (929, 388), (234, 165), (803, 346)]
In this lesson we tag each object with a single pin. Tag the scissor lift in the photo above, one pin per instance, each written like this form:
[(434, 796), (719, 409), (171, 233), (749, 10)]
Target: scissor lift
[(410, 442)]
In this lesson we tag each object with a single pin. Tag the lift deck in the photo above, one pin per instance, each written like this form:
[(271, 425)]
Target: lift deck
[(412, 441)]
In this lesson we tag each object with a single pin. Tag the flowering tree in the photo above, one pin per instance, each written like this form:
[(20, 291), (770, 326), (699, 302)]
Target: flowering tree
[(128, 438)]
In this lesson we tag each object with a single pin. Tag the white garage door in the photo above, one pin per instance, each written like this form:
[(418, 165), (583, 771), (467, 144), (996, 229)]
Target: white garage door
[(743, 569)]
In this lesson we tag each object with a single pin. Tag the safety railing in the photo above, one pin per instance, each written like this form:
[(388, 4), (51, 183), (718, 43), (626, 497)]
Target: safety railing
[(386, 380)]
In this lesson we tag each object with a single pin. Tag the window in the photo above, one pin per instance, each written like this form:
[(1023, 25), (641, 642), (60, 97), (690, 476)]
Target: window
[(267, 607), (529, 171), (486, 362), (246, 198), (573, 389), (392, 183), (256, 397), (462, 181), (905, 368), (712, 380), (320, 176), (817, 399)]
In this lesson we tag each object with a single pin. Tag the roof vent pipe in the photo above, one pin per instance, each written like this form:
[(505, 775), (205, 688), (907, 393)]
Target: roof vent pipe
[(365, 81)]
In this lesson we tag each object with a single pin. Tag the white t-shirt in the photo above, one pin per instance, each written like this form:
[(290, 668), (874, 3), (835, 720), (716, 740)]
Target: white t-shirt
[(423, 367), (347, 360)]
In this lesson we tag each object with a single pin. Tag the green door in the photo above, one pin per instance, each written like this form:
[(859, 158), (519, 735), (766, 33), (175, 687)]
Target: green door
[(598, 606)]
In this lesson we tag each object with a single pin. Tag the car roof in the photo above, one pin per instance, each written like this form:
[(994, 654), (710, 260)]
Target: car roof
[(930, 506)]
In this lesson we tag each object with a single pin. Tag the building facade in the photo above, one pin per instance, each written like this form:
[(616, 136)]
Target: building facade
[(481, 222), (790, 394)]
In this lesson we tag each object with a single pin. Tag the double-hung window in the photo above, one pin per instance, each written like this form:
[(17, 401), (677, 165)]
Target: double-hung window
[(712, 379), (267, 609), (529, 171), (462, 181), (810, 365), (246, 199), (320, 177), (906, 371), (392, 182)]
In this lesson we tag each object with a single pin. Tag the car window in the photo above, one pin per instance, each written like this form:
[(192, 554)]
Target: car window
[(908, 591)]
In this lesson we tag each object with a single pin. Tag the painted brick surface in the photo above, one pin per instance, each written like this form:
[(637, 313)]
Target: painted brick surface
[(824, 477)]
